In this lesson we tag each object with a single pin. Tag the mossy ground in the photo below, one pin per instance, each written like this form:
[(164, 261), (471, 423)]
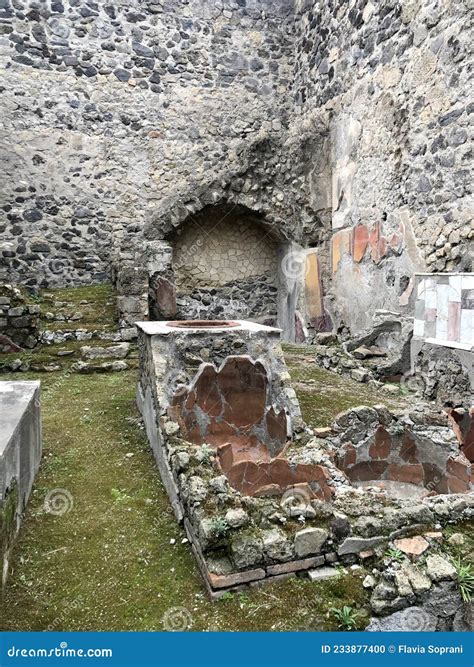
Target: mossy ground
[(107, 563), (95, 303), (323, 394), (46, 355)]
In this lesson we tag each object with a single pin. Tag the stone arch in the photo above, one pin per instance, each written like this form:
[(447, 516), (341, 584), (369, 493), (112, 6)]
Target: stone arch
[(222, 261), (143, 269), (170, 215)]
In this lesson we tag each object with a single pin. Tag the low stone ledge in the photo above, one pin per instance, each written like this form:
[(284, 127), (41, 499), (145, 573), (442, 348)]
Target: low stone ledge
[(295, 565), (323, 573), (20, 454)]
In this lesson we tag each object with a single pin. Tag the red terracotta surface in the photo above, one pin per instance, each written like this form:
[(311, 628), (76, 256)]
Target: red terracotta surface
[(360, 241), (460, 467), (408, 450), (266, 477), (397, 459), (366, 471), (396, 242), (413, 474), (412, 546), (349, 455), (462, 424), (380, 448), (165, 295), (434, 478), (456, 485), (340, 246), (383, 247), (374, 237), (229, 406), (276, 424)]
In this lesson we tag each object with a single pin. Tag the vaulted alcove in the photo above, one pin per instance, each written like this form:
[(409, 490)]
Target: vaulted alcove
[(223, 261)]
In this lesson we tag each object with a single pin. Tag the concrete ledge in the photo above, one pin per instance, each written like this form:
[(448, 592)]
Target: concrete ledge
[(152, 328), (20, 454)]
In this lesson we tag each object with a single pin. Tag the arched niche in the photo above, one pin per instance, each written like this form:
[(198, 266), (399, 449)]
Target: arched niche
[(223, 262)]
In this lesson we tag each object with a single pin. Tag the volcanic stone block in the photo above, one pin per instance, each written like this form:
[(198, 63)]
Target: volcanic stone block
[(20, 454), (323, 573), (216, 395), (310, 540), (353, 545)]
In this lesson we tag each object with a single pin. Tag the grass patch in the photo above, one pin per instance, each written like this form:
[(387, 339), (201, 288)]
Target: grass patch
[(95, 303), (107, 563), (323, 394), (50, 354)]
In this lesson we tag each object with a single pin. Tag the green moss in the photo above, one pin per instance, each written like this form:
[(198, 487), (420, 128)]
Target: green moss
[(95, 303), (464, 551), (48, 354), (323, 394), (17, 300), (8, 509), (108, 565)]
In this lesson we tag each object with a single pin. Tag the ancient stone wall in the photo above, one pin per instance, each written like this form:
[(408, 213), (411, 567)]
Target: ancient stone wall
[(19, 320), (113, 107), (344, 125), (390, 80)]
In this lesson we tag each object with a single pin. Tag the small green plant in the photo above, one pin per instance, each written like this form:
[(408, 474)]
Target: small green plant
[(345, 617), (245, 601), (35, 298), (203, 454), (120, 496), (465, 579), (395, 554), (219, 526), (227, 596)]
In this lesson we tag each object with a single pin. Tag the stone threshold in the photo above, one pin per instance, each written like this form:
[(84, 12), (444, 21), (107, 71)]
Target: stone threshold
[(218, 585)]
